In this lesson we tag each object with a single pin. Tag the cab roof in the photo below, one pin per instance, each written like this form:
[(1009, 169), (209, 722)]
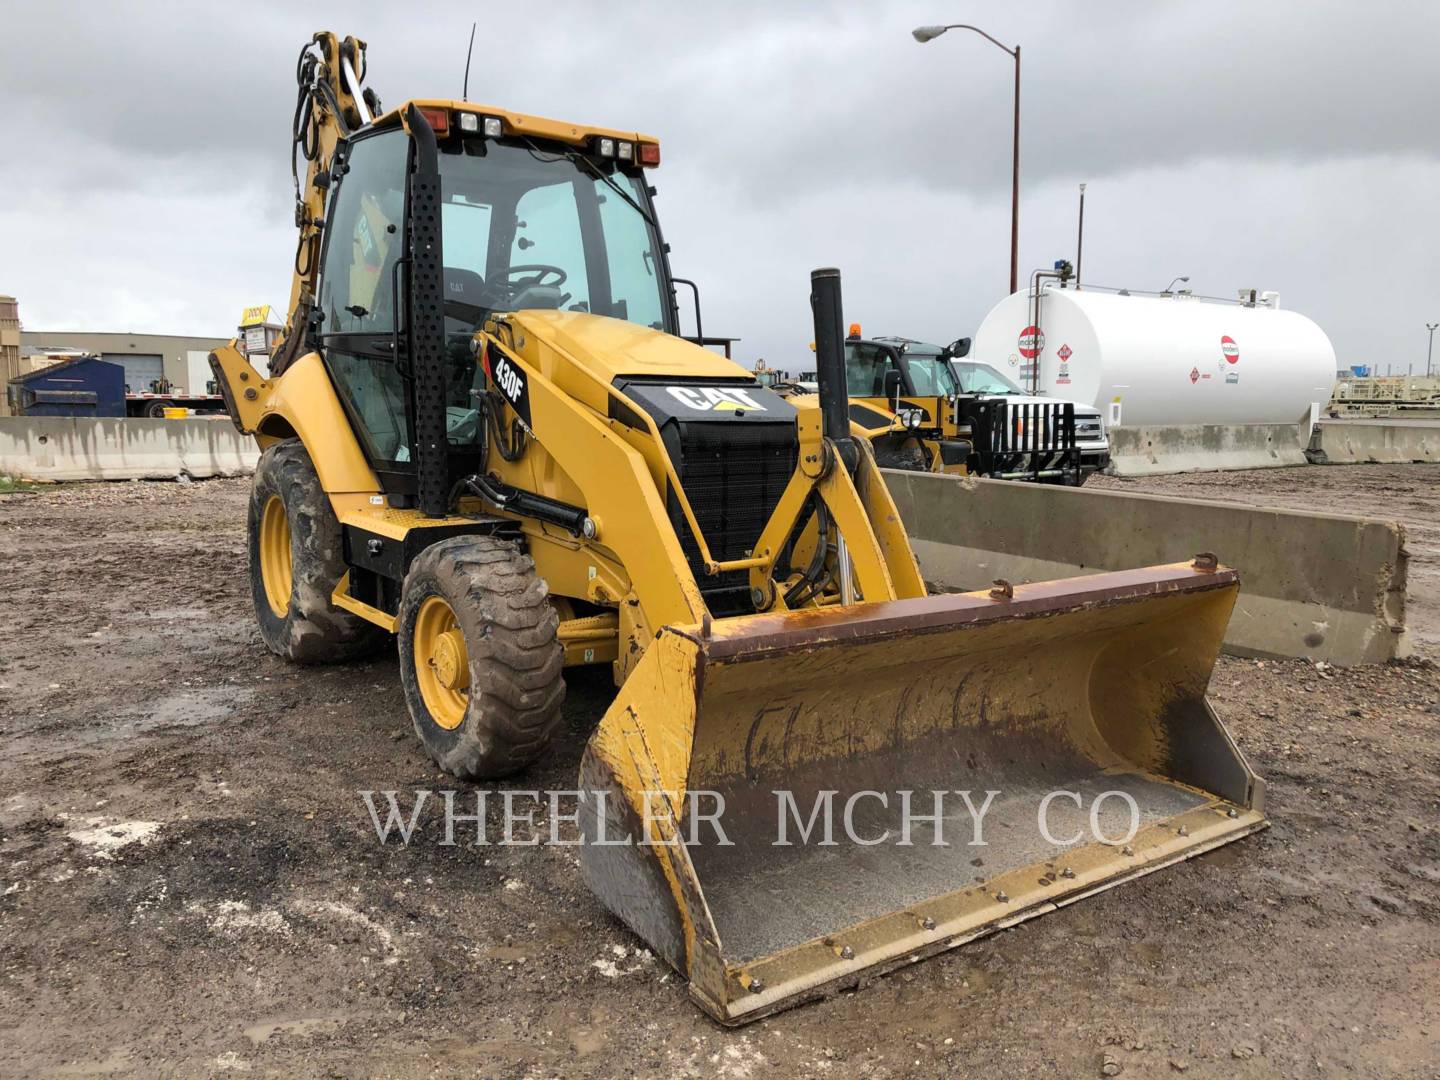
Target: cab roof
[(539, 127)]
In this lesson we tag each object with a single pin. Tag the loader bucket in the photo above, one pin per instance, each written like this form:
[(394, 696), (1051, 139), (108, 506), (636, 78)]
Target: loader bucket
[(1082, 687)]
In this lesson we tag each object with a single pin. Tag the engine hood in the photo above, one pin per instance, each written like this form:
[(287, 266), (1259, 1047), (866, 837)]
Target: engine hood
[(614, 348)]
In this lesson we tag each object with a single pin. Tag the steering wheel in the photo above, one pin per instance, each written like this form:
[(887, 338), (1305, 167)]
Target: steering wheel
[(542, 271)]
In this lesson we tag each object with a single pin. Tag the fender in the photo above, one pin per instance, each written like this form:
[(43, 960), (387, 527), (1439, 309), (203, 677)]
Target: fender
[(300, 403)]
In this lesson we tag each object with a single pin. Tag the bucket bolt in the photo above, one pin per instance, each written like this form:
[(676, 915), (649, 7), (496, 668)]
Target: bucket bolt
[(927, 923), (1003, 590), (1067, 873), (847, 953), (1206, 562), (1002, 896), (756, 985)]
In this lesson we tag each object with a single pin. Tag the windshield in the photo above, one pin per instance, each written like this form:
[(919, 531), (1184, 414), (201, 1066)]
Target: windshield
[(976, 378), (929, 372), (526, 227)]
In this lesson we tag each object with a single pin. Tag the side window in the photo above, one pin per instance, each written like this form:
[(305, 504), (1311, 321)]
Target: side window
[(630, 253), (365, 241), (865, 367), (547, 233)]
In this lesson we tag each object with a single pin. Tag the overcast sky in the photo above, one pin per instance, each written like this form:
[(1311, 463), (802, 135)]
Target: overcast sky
[(144, 182)]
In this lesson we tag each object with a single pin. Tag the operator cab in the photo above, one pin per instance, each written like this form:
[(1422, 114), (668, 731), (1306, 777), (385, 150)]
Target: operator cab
[(527, 223)]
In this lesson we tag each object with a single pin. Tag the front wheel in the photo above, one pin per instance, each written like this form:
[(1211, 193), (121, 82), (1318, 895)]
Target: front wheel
[(480, 657)]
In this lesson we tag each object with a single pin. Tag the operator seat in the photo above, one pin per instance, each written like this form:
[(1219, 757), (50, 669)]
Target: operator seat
[(465, 297)]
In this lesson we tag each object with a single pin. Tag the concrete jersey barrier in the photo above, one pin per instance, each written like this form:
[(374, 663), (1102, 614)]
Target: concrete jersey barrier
[(1328, 587), (91, 448), (1150, 451), (1385, 442)]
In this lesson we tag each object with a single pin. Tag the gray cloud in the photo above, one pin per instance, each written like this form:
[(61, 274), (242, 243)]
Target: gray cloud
[(1283, 145)]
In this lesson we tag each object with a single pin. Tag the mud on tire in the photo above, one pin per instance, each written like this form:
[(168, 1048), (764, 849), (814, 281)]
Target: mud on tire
[(310, 631), (515, 659)]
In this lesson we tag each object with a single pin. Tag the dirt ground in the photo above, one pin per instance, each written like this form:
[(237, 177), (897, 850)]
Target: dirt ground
[(190, 883)]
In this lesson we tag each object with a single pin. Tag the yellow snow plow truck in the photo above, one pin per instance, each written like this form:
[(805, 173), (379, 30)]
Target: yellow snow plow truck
[(486, 444)]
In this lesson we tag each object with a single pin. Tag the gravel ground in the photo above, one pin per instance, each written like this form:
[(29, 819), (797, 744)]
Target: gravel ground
[(190, 883)]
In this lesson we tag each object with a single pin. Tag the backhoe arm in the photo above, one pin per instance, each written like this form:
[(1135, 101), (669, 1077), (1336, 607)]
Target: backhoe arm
[(330, 106)]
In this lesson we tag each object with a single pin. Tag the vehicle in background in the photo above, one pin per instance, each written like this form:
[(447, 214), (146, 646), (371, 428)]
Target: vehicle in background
[(86, 385), (162, 394), (779, 381), (963, 416)]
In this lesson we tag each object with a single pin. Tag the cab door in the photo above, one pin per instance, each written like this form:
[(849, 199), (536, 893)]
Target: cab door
[(360, 302)]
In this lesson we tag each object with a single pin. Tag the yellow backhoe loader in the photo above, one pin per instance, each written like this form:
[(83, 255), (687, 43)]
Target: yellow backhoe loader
[(485, 441)]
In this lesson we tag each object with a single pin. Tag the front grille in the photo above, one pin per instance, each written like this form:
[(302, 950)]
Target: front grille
[(733, 475)]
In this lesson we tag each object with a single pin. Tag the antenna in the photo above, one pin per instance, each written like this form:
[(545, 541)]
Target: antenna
[(465, 91)]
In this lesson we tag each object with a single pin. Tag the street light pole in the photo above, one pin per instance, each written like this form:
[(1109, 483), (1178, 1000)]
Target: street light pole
[(923, 34), (1080, 238), (1430, 348)]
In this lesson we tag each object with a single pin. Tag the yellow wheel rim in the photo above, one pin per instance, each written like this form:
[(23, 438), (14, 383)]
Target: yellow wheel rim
[(276, 571), (442, 663)]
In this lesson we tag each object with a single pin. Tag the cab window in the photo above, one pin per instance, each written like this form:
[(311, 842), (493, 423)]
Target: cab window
[(364, 241), (865, 368)]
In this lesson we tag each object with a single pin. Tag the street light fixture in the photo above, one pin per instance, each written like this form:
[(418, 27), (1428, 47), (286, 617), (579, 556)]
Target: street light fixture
[(923, 34), (1430, 348)]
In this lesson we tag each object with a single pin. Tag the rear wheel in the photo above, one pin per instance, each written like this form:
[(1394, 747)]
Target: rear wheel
[(296, 562), (480, 659)]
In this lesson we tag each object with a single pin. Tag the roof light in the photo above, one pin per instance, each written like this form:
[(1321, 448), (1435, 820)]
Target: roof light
[(438, 119), (607, 147), (854, 329), (493, 128), (469, 122), (649, 153), (626, 151)]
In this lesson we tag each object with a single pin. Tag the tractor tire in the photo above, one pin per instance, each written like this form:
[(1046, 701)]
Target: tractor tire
[(480, 660), (296, 561)]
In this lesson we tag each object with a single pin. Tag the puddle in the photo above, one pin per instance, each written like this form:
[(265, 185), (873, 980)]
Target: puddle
[(186, 707), (300, 1026)]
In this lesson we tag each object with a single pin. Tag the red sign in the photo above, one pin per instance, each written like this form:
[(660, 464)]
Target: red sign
[(1032, 342), (1230, 349), (1064, 352), (1194, 375)]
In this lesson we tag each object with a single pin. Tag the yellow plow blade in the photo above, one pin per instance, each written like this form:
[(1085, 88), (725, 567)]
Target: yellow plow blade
[(1080, 704)]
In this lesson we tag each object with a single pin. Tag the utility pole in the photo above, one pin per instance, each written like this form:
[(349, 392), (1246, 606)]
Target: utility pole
[(1430, 348), (923, 34)]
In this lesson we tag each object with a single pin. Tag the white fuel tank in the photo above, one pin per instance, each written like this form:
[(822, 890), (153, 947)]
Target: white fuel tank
[(1161, 360)]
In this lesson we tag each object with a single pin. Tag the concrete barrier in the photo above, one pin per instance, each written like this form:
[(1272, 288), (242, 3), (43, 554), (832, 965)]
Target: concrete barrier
[(1390, 442), (1147, 451), (1324, 586), (88, 448)]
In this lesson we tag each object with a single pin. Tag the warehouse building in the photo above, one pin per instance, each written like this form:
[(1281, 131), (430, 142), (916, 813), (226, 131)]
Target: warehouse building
[(182, 362)]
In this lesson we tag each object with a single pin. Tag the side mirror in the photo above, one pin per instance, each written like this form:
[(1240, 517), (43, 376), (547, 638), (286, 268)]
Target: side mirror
[(958, 348)]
